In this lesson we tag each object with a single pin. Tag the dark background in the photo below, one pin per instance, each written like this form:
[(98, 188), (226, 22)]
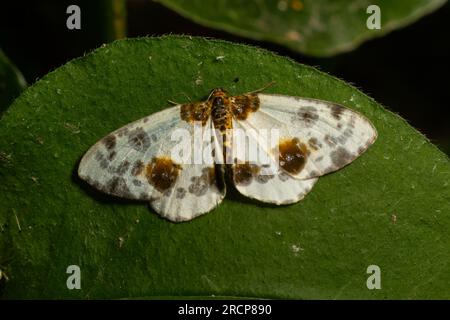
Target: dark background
[(406, 70)]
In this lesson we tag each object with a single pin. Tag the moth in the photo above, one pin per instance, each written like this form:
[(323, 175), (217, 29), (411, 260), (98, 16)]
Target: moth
[(314, 138)]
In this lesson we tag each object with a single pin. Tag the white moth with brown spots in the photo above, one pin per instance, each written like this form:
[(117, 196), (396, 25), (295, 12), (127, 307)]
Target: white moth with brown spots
[(315, 138)]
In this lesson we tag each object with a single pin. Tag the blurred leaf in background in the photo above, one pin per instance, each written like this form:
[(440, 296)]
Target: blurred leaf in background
[(313, 27), (390, 207), (114, 18), (11, 82), (49, 43)]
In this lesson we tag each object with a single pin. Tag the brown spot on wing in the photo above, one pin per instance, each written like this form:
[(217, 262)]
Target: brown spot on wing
[(112, 155), (243, 105), (283, 176), (336, 111), (123, 131), (340, 157), (181, 192), (138, 167), (201, 184), (314, 143), (331, 141), (264, 178), (346, 134), (292, 155), (307, 116), (109, 142), (101, 160), (243, 173), (139, 139), (123, 167), (117, 186), (198, 111), (162, 173)]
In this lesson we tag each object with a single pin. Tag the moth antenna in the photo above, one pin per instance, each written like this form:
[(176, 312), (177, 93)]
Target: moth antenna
[(173, 102), (263, 88), (176, 103), (186, 96), (210, 94)]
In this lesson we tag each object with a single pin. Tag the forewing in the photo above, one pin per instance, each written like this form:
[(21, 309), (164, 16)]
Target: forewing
[(328, 135), (136, 162), (116, 164)]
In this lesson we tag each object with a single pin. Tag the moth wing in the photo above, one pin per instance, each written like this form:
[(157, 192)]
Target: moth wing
[(116, 164), (135, 162), (196, 192), (331, 135), (200, 187), (261, 178)]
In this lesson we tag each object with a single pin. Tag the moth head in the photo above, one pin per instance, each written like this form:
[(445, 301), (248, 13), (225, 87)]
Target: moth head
[(218, 96), (218, 92)]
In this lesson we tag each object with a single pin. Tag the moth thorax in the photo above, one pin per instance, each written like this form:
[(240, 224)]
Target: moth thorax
[(221, 114)]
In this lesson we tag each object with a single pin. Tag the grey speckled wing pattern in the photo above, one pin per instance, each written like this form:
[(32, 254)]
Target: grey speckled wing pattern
[(134, 162), (315, 138)]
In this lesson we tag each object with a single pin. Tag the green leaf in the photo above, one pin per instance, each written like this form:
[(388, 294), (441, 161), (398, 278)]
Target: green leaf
[(317, 28), (11, 82), (388, 208)]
